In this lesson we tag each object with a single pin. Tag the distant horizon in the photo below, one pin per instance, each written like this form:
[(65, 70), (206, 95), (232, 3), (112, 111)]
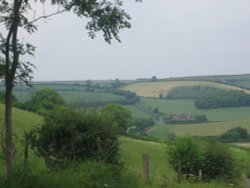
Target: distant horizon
[(160, 78)]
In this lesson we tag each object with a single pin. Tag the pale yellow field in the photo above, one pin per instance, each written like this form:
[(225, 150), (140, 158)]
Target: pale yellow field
[(154, 89), (242, 144), (209, 129)]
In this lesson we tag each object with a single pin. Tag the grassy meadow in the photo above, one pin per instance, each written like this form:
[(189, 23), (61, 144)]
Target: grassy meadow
[(131, 151)]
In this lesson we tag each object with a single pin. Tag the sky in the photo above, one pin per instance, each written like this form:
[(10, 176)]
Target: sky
[(168, 38)]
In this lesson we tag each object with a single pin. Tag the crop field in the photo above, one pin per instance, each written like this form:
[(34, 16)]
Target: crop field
[(154, 89), (186, 106), (199, 129), (75, 96), (137, 113)]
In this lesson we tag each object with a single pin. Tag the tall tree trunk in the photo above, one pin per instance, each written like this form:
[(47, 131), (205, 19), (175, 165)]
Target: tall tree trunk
[(8, 130), (11, 64)]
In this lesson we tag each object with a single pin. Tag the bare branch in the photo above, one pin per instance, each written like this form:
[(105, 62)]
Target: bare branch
[(47, 16)]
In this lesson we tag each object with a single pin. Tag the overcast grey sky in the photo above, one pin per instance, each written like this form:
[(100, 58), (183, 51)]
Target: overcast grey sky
[(168, 38)]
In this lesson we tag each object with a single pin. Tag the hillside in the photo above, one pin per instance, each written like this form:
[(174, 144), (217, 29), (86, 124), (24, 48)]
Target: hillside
[(154, 89), (22, 120), (131, 151), (242, 80)]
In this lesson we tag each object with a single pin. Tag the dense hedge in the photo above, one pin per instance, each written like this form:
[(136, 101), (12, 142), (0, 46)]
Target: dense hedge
[(223, 98)]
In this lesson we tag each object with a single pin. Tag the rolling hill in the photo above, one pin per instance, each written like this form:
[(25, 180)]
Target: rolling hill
[(154, 89)]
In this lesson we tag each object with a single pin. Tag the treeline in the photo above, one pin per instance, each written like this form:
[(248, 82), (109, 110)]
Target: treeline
[(237, 134), (223, 98), (130, 98), (190, 92)]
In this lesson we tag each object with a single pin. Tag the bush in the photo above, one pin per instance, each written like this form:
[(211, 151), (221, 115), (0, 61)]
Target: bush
[(68, 136), (218, 162), (185, 156), (234, 134)]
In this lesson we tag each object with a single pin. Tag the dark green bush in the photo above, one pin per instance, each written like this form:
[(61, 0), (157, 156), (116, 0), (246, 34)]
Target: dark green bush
[(67, 137), (234, 134), (218, 162)]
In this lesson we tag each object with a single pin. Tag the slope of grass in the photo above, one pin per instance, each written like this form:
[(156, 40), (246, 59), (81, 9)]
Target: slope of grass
[(131, 150), (22, 121), (210, 129), (200, 129), (160, 172), (78, 96), (154, 89)]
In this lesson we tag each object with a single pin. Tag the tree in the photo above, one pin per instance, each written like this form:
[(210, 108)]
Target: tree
[(105, 16), (185, 156), (44, 101), (68, 136), (117, 116)]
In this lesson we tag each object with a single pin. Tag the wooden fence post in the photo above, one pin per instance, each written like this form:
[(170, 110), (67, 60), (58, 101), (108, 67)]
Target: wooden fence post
[(146, 167)]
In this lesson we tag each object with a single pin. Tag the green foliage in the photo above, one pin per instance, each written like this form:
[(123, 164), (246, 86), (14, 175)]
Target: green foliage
[(140, 124), (220, 99), (234, 134), (117, 116), (88, 175), (218, 162), (67, 137), (190, 92), (185, 156), (43, 101), (99, 175)]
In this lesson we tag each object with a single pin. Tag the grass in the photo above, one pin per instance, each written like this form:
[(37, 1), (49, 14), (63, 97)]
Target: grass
[(209, 129), (75, 96), (136, 112), (186, 106), (154, 89), (131, 150)]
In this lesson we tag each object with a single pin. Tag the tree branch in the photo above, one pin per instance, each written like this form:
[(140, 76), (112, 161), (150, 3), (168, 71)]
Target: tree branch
[(47, 16)]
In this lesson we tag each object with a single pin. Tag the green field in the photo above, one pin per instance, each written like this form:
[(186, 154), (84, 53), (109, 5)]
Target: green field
[(186, 106), (219, 120), (237, 80), (131, 151), (204, 129), (154, 89), (75, 96)]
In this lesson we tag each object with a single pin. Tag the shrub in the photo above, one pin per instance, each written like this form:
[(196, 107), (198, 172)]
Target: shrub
[(218, 162), (68, 136), (185, 156), (234, 134)]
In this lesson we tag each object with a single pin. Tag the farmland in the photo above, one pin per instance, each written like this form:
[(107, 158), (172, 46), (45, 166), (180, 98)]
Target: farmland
[(154, 89), (131, 150), (219, 120)]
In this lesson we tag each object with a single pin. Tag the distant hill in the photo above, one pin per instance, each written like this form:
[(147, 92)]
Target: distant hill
[(156, 88), (242, 80)]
